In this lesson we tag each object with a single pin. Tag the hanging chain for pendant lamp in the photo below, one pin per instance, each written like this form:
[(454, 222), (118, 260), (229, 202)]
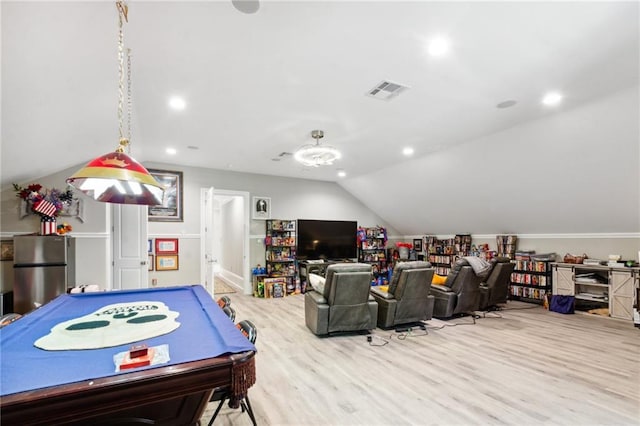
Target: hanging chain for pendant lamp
[(124, 139), (116, 177)]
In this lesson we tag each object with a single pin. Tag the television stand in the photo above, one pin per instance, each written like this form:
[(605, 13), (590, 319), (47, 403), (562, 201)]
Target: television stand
[(306, 267)]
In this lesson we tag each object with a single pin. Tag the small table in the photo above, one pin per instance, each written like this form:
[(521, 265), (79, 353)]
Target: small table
[(82, 387)]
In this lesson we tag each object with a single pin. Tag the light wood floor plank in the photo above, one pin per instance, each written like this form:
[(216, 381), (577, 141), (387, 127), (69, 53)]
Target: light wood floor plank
[(530, 366)]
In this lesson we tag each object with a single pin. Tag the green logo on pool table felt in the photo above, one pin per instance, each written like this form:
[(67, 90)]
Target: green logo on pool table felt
[(112, 325)]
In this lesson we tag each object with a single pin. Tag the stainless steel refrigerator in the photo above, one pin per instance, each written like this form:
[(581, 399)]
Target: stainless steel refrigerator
[(44, 267)]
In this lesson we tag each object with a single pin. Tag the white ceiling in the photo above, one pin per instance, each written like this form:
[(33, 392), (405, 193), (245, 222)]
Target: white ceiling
[(257, 84)]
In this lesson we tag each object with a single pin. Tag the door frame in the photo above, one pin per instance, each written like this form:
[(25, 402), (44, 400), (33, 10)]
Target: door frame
[(246, 282), (138, 228)]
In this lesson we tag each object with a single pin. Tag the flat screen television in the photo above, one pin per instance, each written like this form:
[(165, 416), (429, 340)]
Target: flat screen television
[(326, 239)]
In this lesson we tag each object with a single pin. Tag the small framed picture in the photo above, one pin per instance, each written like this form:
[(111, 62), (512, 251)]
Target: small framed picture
[(171, 208), (166, 246), (417, 245), (150, 245), (6, 250), (261, 207), (150, 263), (167, 262)]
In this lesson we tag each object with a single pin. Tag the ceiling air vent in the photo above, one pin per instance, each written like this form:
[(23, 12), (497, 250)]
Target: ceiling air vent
[(282, 155), (386, 90)]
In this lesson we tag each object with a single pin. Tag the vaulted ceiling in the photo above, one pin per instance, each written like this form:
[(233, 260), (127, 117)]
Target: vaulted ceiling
[(256, 84)]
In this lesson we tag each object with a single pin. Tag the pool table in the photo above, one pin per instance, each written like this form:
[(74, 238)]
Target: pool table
[(82, 386)]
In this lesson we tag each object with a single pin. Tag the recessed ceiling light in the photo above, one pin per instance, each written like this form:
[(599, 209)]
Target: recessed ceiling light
[(438, 46), (342, 173), (177, 103), (408, 151), (552, 98), (171, 151), (506, 104)]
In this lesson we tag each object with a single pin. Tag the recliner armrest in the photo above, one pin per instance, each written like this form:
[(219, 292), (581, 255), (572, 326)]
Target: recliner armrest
[(382, 294), (440, 289), (317, 298)]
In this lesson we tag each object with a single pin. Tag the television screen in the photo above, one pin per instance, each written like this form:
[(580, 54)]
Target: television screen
[(326, 239)]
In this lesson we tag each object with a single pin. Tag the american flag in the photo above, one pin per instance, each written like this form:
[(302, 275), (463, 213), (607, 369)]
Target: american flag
[(48, 225), (45, 207)]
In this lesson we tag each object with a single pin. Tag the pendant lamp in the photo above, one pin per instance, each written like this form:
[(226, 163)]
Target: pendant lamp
[(116, 177)]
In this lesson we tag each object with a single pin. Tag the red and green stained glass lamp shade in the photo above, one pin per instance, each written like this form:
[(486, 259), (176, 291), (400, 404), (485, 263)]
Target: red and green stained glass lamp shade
[(117, 178)]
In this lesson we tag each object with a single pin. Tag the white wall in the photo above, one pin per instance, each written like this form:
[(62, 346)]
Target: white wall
[(290, 199), (574, 171), (232, 235)]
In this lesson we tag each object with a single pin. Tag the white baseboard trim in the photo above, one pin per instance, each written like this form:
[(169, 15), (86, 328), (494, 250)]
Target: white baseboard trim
[(232, 278), (96, 235), (603, 235), (182, 236)]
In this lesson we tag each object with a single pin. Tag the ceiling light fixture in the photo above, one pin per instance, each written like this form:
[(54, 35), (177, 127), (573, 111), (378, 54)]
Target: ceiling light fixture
[(408, 151), (438, 46), (177, 103), (116, 177), (552, 99), (314, 155)]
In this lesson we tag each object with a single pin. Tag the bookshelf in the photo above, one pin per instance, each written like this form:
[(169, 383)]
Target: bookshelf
[(506, 245), (372, 243), (443, 253), (531, 280), (280, 260)]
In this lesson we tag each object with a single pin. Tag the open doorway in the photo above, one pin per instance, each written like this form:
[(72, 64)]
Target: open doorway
[(227, 230)]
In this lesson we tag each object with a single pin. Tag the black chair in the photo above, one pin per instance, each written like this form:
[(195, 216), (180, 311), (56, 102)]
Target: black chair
[(222, 394), (231, 313), (460, 294), (407, 300), (494, 290), (7, 319), (224, 301), (345, 304)]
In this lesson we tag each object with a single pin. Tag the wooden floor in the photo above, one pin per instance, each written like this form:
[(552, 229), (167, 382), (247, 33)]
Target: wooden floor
[(530, 367)]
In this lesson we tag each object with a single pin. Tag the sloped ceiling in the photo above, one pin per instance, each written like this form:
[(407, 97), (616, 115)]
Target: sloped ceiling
[(255, 85)]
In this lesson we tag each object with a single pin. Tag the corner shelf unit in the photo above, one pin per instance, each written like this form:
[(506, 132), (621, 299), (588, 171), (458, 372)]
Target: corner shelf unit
[(372, 250), (531, 280), (280, 260)]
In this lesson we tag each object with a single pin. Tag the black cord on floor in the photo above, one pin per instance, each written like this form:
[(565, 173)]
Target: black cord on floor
[(371, 343), (473, 316), (520, 309), (412, 333)]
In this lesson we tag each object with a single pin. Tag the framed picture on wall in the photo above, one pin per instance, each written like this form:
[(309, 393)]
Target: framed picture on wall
[(167, 262), (166, 246), (6, 250), (417, 245), (150, 263), (171, 208), (261, 208)]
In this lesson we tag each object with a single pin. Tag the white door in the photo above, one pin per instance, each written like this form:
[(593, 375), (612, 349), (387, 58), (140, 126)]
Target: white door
[(209, 260), (129, 236)]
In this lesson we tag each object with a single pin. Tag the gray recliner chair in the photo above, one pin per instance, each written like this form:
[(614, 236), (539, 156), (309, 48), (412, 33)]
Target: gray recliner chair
[(345, 303), (407, 299), (459, 294), (494, 290)]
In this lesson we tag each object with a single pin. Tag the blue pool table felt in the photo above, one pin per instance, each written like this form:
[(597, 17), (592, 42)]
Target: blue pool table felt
[(204, 332)]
